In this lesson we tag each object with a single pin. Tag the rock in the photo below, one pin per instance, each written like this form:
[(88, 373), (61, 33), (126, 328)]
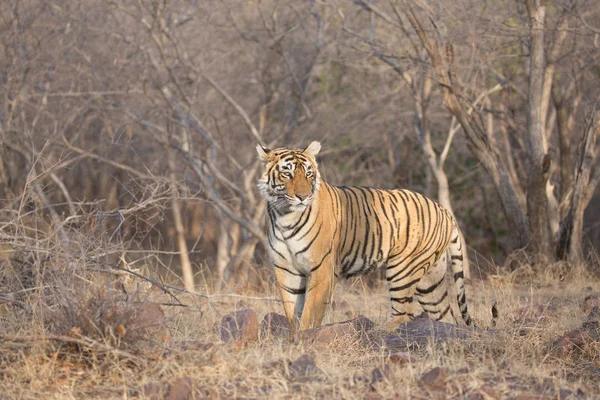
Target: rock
[(240, 326), (304, 369), (380, 374), (418, 332), (579, 339), (592, 326), (354, 329), (591, 301), (562, 347), (274, 325), (572, 341), (180, 389), (435, 378), (564, 394), (594, 314)]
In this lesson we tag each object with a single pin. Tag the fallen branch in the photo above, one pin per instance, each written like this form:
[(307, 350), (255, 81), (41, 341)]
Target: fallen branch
[(166, 288)]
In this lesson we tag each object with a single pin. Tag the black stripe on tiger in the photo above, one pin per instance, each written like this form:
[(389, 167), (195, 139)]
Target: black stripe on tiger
[(293, 291), (318, 231)]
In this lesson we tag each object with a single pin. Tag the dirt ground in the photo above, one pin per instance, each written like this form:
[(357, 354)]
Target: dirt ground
[(96, 334)]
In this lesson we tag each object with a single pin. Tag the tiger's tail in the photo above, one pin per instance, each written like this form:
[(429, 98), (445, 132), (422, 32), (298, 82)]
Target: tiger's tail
[(460, 267)]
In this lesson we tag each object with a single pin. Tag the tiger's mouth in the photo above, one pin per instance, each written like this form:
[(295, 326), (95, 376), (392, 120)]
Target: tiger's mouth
[(300, 202), (284, 202)]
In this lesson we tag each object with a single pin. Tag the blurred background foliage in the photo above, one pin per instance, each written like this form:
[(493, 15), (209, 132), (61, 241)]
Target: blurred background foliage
[(120, 118)]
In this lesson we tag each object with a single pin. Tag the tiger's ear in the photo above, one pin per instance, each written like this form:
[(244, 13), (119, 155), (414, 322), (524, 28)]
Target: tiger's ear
[(313, 149), (263, 153)]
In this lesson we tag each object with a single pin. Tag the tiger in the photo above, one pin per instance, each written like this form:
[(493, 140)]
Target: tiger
[(318, 233)]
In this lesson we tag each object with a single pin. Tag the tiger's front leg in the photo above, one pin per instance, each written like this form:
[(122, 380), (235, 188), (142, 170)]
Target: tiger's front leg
[(318, 295), (292, 287)]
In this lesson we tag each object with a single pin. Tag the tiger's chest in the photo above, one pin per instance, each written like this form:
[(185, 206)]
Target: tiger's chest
[(298, 241), (302, 257)]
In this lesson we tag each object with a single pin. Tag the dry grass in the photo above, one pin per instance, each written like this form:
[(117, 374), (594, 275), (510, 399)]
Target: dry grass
[(72, 328)]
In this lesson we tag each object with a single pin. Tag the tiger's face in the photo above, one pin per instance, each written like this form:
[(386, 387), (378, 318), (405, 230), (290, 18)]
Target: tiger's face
[(291, 178)]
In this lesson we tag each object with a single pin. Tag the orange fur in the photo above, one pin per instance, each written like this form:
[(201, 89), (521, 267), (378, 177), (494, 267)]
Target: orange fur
[(318, 232)]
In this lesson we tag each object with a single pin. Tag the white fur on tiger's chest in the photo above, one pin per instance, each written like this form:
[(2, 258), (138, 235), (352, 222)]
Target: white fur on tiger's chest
[(302, 260), (295, 242)]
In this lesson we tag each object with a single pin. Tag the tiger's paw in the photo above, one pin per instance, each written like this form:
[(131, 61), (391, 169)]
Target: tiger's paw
[(394, 322)]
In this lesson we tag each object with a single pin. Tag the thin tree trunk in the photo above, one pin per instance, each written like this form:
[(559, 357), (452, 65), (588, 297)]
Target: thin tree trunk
[(507, 150), (5, 182), (537, 201), (565, 102), (587, 176), (424, 131), (422, 126), (227, 248), (553, 210), (184, 255), (222, 254), (564, 138)]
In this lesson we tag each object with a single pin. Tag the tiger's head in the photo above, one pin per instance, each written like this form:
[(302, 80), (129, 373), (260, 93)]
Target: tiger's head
[(291, 177)]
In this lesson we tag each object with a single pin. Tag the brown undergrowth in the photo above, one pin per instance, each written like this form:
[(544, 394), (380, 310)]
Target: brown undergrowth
[(77, 323)]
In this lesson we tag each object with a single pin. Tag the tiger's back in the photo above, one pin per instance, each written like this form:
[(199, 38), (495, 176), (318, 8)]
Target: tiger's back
[(383, 227)]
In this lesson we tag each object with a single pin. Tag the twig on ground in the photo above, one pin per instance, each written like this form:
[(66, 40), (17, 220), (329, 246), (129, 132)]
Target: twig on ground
[(166, 288)]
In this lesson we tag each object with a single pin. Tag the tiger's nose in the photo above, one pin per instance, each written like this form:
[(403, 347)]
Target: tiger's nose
[(302, 197)]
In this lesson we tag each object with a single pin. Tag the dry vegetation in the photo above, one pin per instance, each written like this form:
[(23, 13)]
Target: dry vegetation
[(130, 223), (74, 326)]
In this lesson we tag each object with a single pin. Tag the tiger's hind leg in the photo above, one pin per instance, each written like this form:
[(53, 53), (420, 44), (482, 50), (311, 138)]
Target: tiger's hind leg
[(460, 270), (403, 280), (432, 293)]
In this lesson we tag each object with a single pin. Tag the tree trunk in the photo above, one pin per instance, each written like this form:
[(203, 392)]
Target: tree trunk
[(537, 201), (508, 151), (566, 102), (184, 255), (227, 248), (423, 130), (587, 176), (222, 254)]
